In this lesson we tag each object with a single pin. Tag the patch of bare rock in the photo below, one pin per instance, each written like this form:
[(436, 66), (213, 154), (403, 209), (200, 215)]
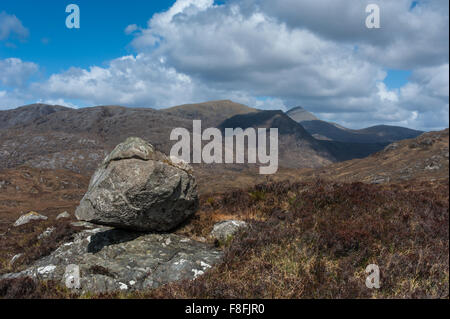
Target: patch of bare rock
[(25, 219), (225, 230), (106, 259)]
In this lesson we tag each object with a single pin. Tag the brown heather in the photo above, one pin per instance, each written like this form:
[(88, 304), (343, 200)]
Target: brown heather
[(313, 240), (24, 240)]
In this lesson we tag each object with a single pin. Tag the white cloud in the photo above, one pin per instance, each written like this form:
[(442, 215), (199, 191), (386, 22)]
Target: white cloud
[(428, 94), (15, 72), (137, 81), (298, 53), (385, 94), (10, 25), (422, 103), (408, 38), (433, 80), (127, 80), (230, 50), (9, 100), (131, 28)]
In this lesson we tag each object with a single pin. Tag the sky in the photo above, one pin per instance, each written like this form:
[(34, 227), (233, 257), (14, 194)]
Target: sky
[(262, 53)]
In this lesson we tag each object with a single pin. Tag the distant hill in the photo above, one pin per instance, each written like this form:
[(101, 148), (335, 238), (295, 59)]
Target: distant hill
[(54, 137), (297, 148), (57, 137), (343, 143), (424, 158), (274, 119), (375, 134), (27, 114), (344, 151), (391, 133), (379, 136), (211, 113), (78, 139)]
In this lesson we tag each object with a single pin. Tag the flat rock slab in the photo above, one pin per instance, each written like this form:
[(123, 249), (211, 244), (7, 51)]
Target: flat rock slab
[(111, 259)]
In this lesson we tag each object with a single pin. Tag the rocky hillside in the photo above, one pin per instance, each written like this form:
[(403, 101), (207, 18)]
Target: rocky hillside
[(308, 239), (27, 114), (378, 135), (30, 189), (421, 158), (375, 134), (78, 139), (210, 113), (296, 145), (345, 144), (56, 137)]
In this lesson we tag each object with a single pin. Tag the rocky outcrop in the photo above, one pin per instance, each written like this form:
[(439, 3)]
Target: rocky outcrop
[(225, 230), (138, 191), (139, 188), (25, 219), (47, 232), (106, 259), (63, 215)]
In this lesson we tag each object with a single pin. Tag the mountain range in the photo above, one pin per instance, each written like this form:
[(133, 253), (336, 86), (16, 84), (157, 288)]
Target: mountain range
[(56, 137), (324, 130)]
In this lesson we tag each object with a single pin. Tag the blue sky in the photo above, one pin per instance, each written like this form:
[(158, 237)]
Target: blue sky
[(395, 79), (100, 38), (263, 53)]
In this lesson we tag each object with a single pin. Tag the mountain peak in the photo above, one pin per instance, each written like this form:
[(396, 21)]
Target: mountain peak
[(299, 114), (295, 108), (212, 112)]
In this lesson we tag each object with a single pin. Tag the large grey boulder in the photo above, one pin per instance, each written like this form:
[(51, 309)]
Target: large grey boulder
[(139, 188), (105, 259)]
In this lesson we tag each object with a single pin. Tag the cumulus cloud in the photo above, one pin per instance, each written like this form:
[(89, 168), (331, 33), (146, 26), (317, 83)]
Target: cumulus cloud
[(11, 25), (298, 53), (10, 99), (127, 80), (410, 36), (422, 103), (130, 80), (278, 54), (15, 72), (136, 81), (230, 49), (131, 28)]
